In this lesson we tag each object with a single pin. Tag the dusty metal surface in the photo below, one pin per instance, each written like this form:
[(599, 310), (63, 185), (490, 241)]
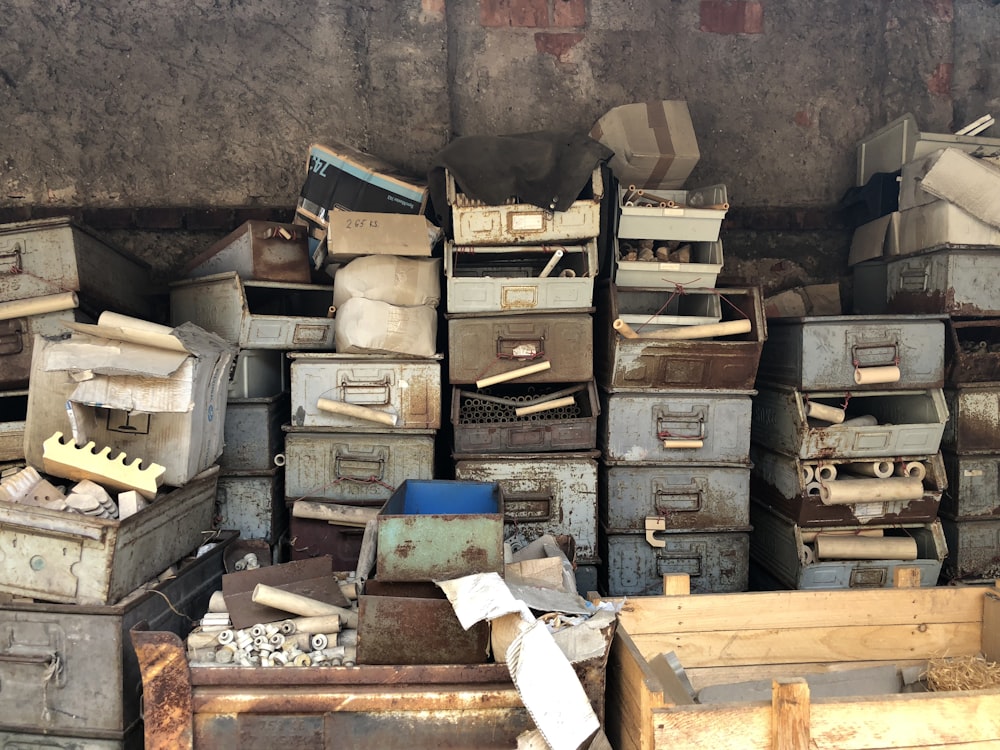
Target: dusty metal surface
[(13, 412), (166, 689), (973, 419), (252, 433), (252, 503), (953, 280), (972, 351), (262, 250), (973, 548), (438, 547), (973, 487), (309, 537)]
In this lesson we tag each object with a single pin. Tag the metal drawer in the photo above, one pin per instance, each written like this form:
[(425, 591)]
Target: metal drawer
[(972, 351), (13, 412), (258, 373), (253, 503), (253, 434), (956, 281), (17, 337), (973, 419), (973, 488), (973, 549)]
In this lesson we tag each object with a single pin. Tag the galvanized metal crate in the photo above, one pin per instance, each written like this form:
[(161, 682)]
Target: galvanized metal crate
[(553, 493), (482, 345), (485, 420), (13, 412), (257, 250), (953, 280), (407, 389), (909, 423), (354, 467), (973, 424), (695, 214), (691, 427), (253, 503), (776, 544), (687, 498), (70, 669), (717, 562), (972, 351), (253, 433), (258, 373), (701, 272), (829, 352), (17, 338), (728, 363), (973, 487), (973, 549)]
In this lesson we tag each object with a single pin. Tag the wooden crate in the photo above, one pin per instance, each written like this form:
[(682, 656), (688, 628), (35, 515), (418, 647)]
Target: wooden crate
[(723, 638)]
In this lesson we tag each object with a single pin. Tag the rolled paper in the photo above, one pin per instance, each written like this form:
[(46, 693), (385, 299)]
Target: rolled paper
[(913, 469), (624, 329), (567, 273), (832, 414), (849, 491), (520, 372), (807, 474), (826, 472), (864, 421), (869, 375), (24, 308), (675, 443), (356, 410), (550, 266), (706, 331), (808, 536), (880, 469), (317, 624), (289, 601), (555, 403), (836, 547), (806, 555), (812, 488)]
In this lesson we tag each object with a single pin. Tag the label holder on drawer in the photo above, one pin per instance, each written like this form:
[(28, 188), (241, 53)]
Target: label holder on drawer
[(525, 507)]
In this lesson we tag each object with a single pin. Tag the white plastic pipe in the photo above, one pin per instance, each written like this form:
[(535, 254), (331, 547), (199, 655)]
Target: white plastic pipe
[(911, 469), (880, 469), (825, 413), (835, 547), (24, 308), (514, 374), (355, 410), (848, 491), (871, 375)]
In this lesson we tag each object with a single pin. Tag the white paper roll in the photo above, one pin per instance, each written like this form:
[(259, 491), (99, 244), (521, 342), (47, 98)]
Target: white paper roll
[(834, 547), (911, 469), (807, 474), (683, 443), (849, 491), (870, 375), (826, 472), (825, 413), (24, 308), (813, 488), (880, 469), (863, 421)]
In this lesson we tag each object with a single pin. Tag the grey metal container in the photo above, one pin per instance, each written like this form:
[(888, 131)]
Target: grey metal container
[(71, 669), (354, 467), (13, 412), (973, 424), (253, 503), (910, 423), (130, 740), (973, 487), (716, 562), (973, 549), (49, 256), (17, 338), (258, 373), (776, 544), (552, 493), (688, 498), (972, 351), (728, 363), (824, 353), (654, 427), (482, 345), (409, 389), (958, 281), (253, 434)]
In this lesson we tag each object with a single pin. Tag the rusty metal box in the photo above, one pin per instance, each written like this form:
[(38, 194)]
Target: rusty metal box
[(257, 250), (407, 389), (71, 558), (49, 256), (253, 503), (972, 351), (431, 530), (973, 491), (689, 426), (256, 314), (973, 549), (973, 419), (553, 493), (909, 423), (777, 545), (70, 668), (258, 373), (728, 363), (790, 486), (717, 562), (477, 223), (253, 434), (310, 537), (508, 277), (17, 337), (954, 281), (353, 467), (485, 420), (13, 412), (483, 345), (687, 498), (823, 353)]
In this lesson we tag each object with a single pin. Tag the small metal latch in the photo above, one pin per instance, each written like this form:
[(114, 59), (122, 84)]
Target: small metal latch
[(654, 524)]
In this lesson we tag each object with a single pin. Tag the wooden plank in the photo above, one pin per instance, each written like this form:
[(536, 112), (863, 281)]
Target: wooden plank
[(788, 609), (790, 714), (819, 644), (906, 578), (676, 584), (632, 692), (708, 676), (991, 626)]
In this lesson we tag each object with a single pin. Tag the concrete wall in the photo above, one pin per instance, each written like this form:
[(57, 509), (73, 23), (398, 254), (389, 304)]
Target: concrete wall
[(166, 124)]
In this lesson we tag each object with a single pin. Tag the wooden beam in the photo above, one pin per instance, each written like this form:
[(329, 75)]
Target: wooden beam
[(790, 714)]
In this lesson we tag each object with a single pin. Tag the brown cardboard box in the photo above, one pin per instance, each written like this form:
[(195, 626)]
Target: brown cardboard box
[(815, 299), (875, 239)]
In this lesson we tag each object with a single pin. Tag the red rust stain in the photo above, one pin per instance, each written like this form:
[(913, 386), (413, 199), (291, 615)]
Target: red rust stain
[(731, 17), (557, 45), (802, 119), (942, 10), (939, 83), (404, 550)]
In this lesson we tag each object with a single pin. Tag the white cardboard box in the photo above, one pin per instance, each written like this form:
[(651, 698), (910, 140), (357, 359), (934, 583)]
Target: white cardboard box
[(971, 184), (153, 403), (940, 223)]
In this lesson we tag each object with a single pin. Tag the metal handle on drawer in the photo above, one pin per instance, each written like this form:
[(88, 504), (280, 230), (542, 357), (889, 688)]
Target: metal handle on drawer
[(868, 355), (682, 500), (374, 391), (11, 337), (346, 466), (10, 261), (914, 279), (688, 420), (528, 506), (678, 564), (50, 660), (520, 347)]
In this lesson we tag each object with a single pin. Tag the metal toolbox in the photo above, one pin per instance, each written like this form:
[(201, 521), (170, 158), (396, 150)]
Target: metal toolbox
[(687, 498), (700, 272), (261, 250), (49, 256), (71, 558), (13, 412), (973, 419), (543, 494), (311, 537), (354, 467), (253, 434), (776, 543), (694, 215), (485, 421), (253, 503), (789, 485), (909, 423), (972, 351), (256, 314), (481, 346), (477, 223), (649, 309), (408, 389), (973, 549), (704, 427), (71, 670), (717, 562), (258, 373), (860, 353), (728, 363), (973, 487), (507, 277), (17, 337), (953, 281)]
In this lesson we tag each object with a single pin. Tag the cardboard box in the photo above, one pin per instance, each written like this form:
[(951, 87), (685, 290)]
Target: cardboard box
[(815, 299), (876, 239), (971, 184), (354, 233), (654, 143), (257, 250), (159, 404), (938, 224)]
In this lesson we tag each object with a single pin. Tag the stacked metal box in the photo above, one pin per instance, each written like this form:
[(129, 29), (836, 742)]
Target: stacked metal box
[(524, 405), (675, 412), (847, 426)]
